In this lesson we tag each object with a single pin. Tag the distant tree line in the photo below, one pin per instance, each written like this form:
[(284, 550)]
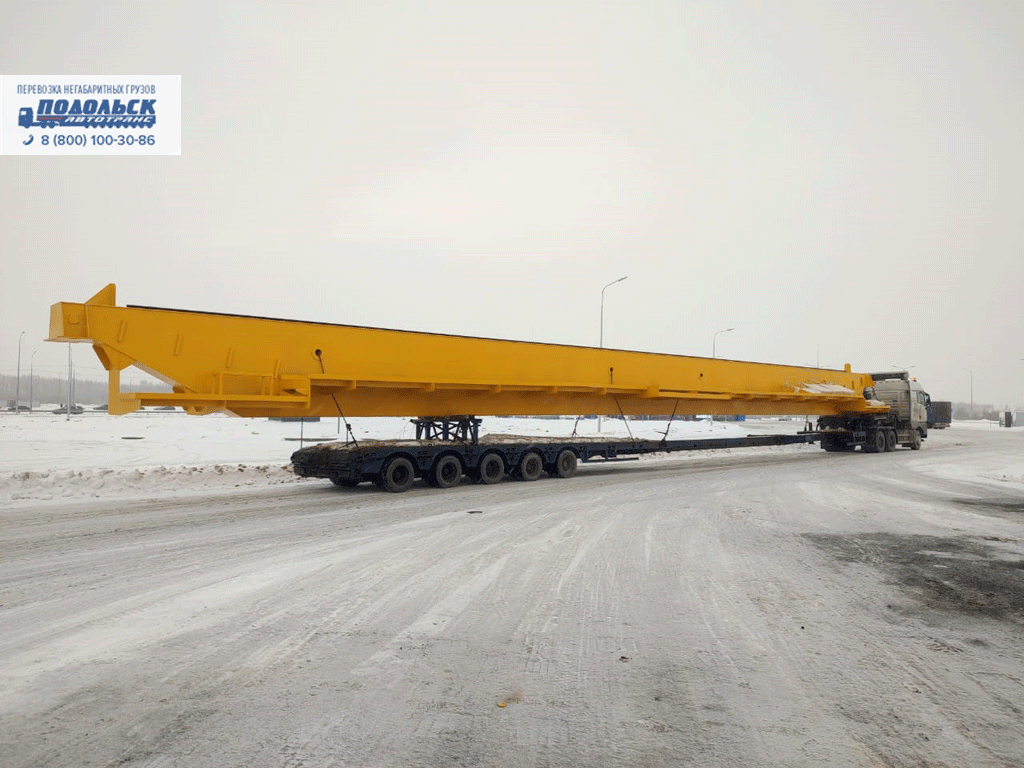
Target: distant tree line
[(54, 389)]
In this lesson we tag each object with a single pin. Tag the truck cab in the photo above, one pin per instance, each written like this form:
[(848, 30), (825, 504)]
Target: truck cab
[(907, 400)]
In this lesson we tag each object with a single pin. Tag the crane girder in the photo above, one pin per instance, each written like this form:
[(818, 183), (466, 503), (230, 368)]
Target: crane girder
[(257, 366)]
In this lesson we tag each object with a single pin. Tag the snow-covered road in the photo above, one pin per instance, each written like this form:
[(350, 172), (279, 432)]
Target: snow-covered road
[(756, 608)]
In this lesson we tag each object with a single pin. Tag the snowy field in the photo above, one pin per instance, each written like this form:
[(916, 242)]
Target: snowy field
[(46, 456), (149, 453), (171, 595)]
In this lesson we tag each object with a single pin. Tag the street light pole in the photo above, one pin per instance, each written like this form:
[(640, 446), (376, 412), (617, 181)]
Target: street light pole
[(613, 282), (70, 385), (714, 340), (971, 374), (601, 342), (17, 387), (714, 350), (31, 379)]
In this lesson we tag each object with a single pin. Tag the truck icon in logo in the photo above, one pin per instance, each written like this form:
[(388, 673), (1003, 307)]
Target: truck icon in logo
[(25, 119)]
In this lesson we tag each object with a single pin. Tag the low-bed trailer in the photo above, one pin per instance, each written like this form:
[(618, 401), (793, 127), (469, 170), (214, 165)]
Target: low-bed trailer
[(393, 465)]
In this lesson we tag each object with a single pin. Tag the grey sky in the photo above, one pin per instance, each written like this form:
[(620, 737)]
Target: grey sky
[(839, 182)]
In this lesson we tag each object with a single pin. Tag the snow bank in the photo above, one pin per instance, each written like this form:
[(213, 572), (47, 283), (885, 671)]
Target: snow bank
[(153, 453)]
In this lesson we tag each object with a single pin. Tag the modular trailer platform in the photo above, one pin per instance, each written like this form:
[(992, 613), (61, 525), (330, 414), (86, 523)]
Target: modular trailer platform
[(394, 464)]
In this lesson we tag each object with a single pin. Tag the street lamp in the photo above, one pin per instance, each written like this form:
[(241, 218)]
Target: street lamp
[(17, 387), (971, 373), (714, 339), (613, 282), (31, 379)]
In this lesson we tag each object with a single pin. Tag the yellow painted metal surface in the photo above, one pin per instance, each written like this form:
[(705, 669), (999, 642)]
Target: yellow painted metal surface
[(255, 366)]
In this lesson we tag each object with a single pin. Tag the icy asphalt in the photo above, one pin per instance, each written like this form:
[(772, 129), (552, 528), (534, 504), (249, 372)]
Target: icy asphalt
[(761, 607)]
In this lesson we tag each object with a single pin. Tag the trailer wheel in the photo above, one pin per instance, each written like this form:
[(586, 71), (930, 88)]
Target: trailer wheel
[(531, 467), (491, 469), (915, 441), (890, 439), (565, 465), (447, 472), (397, 475)]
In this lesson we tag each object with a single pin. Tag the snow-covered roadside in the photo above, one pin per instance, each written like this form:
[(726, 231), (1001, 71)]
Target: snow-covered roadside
[(1001, 469), (154, 453)]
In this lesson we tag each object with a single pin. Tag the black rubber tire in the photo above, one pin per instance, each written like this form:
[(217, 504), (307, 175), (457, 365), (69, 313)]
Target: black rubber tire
[(447, 472), (397, 475), (915, 441), (531, 466), (890, 439), (876, 441), (345, 482), (491, 469), (565, 465)]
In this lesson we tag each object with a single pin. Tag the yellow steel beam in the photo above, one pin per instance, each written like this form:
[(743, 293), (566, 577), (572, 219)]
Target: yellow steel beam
[(254, 366)]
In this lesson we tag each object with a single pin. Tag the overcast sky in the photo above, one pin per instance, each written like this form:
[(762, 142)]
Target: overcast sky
[(837, 181)]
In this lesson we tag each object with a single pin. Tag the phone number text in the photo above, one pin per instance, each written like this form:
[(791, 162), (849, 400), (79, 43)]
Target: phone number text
[(101, 140)]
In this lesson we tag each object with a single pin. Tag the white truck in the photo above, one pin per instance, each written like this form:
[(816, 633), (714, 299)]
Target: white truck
[(905, 424)]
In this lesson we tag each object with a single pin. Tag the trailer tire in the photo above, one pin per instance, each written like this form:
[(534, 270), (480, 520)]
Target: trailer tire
[(915, 441), (447, 472), (565, 464), (890, 439), (531, 466), (491, 469), (397, 475)]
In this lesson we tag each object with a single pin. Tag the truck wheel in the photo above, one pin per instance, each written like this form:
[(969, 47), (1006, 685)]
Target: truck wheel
[(876, 441), (397, 475), (345, 482), (447, 472), (491, 469), (890, 439), (531, 467), (915, 441), (565, 465)]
